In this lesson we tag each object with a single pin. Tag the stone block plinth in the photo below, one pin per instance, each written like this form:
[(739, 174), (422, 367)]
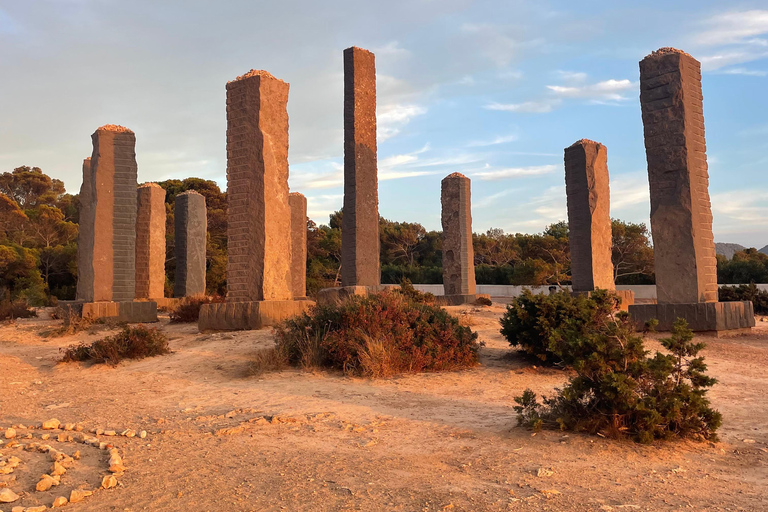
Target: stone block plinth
[(238, 316), (127, 311), (712, 317), (360, 223), (459, 299)]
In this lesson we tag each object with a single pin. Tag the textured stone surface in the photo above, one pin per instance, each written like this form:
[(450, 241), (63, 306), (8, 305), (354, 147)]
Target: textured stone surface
[(701, 316), (459, 299), (131, 311), (360, 223), (681, 216), (235, 316), (458, 254), (298, 205), (259, 218), (150, 241), (190, 232), (106, 262), (589, 218)]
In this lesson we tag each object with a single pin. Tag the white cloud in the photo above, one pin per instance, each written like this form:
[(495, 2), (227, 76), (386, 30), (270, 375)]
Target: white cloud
[(515, 172), (392, 118), (571, 76), (605, 90), (320, 207), (628, 190), (532, 107), (744, 71), (729, 58), (734, 28), (485, 202), (501, 139)]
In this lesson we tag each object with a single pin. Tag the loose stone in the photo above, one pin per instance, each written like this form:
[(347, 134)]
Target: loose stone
[(59, 502), (108, 482), (78, 495), (8, 496), (10, 433), (51, 424)]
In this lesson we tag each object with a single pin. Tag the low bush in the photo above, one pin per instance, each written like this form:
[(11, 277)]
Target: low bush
[(378, 336), (412, 294), (750, 292), (10, 310), (267, 360), (484, 301), (534, 323), (188, 309), (130, 343), (620, 391)]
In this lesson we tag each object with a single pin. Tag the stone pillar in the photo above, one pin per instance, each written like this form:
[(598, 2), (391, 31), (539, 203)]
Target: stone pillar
[(681, 216), (259, 244), (360, 221), (458, 254), (589, 218), (107, 236), (190, 231), (298, 205), (150, 241)]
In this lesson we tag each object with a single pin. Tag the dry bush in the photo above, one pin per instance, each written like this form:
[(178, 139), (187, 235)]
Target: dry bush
[(466, 319), (130, 343), (267, 360), (484, 301), (378, 335), (10, 310), (188, 309)]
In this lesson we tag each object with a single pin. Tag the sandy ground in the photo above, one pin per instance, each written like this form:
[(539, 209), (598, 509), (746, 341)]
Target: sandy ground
[(220, 440)]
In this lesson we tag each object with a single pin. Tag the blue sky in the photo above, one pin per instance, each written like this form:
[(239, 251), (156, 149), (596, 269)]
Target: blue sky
[(492, 89)]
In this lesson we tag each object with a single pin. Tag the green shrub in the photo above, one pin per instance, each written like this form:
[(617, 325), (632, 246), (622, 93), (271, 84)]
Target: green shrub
[(130, 343), (188, 309), (620, 391), (535, 323), (750, 292), (378, 335), (414, 295)]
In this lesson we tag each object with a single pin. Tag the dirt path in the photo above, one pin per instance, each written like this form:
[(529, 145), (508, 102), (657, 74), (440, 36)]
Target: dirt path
[(219, 440)]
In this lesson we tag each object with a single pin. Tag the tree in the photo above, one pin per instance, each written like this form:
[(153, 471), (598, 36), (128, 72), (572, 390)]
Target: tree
[(29, 187), (400, 241), (632, 254)]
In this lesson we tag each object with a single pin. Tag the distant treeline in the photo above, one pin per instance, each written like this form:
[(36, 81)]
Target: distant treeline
[(39, 225)]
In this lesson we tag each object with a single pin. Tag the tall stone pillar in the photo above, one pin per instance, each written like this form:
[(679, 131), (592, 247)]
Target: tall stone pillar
[(259, 282), (589, 217), (298, 205), (108, 234), (190, 232), (150, 241), (360, 222), (681, 216), (259, 244), (458, 254)]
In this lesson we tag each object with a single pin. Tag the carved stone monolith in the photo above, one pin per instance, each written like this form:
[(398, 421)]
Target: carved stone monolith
[(298, 205), (190, 232), (150, 241)]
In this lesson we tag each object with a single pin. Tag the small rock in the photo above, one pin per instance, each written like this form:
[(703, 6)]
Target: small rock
[(69, 426), (45, 483), (6, 480), (63, 438), (41, 508), (749, 441), (51, 424), (143, 434), (103, 446), (8, 496), (110, 433), (76, 455), (549, 492), (59, 502), (57, 469), (99, 431), (108, 482), (78, 495), (128, 433), (544, 472), (17, 509), (10, 433)]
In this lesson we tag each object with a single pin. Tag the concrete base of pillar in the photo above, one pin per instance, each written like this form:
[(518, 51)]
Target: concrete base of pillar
[(165, 303), (339, 294), (459, 300), (712, 317), (131, 312), (239, 316), (626, 298)]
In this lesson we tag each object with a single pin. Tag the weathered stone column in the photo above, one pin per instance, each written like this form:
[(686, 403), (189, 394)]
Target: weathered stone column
[(681, 216), (108, 228), (190, 239), (458, 254), (589, 217), (259, 244), (298, 244), (150, 241), (360, 222)]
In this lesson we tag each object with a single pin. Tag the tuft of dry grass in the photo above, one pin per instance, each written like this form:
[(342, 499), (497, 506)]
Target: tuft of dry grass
[(268, 360), (466, 319), (378, 359), (188, 310), (130, 343), (17, 309)]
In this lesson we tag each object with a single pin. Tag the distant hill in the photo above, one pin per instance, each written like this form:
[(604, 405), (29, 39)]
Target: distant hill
[(764, 250), (728, 250)]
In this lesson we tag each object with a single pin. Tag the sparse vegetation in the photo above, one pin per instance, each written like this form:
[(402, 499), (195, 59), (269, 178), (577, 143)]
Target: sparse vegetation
[(10, 310), (750, 292), (537, 323), (131, 343), (620, 391), (379, 335), (267, 360), (188, 309), (484, 301)]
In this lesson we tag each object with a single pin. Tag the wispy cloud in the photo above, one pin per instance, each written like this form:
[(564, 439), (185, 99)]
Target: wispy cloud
[(629, 189), (501, 139), (736, 34), (743, 71), (485, 202), (736, 210), (605, 90), (530, 107), (392, 118), (320, 207), (515, 172)]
